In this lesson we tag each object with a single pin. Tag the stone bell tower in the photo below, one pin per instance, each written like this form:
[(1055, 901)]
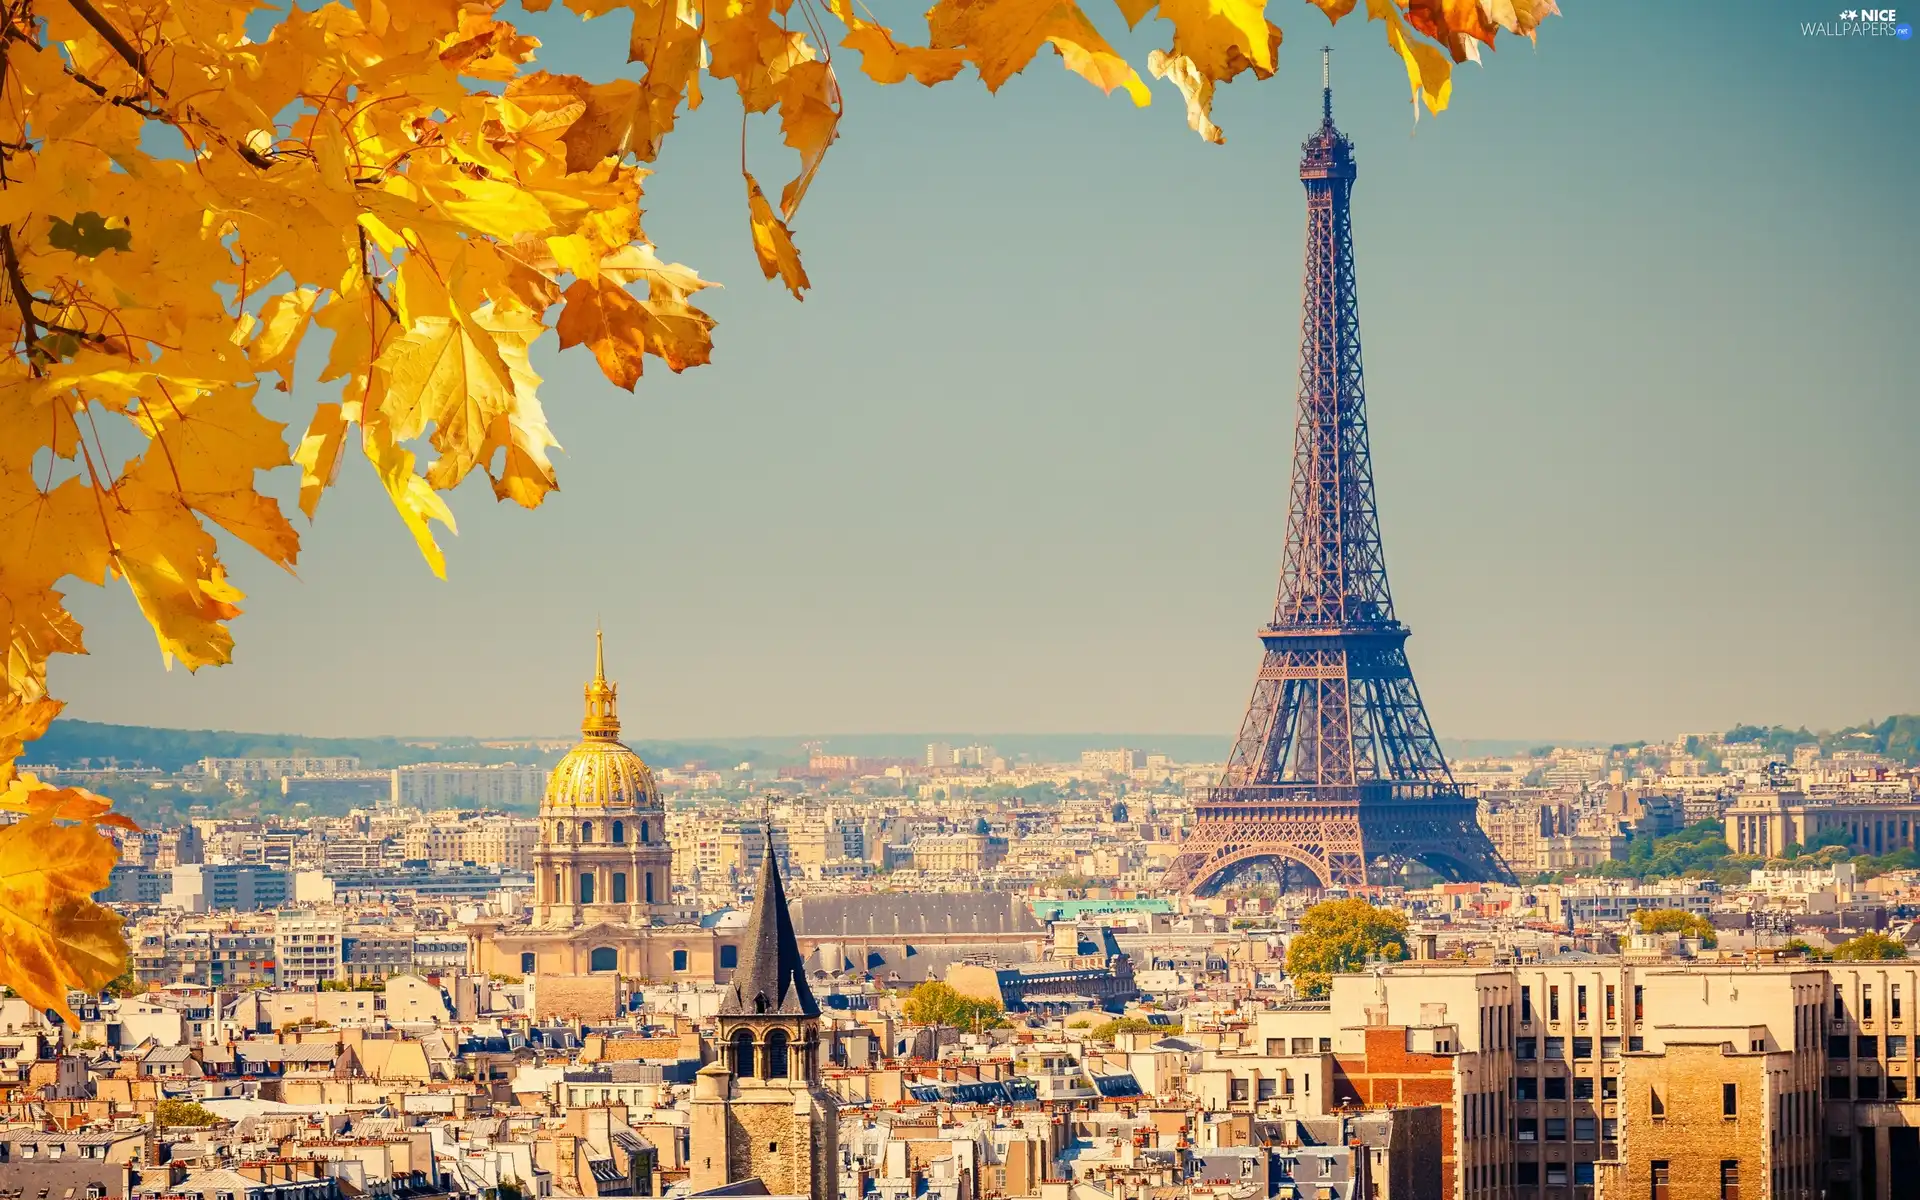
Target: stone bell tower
[(759, 1110)]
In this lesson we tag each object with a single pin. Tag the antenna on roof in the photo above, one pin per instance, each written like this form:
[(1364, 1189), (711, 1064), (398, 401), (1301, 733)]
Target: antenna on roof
[(1326, 84)]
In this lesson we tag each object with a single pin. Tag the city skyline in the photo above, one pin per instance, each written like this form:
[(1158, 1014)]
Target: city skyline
[(1618, 522)]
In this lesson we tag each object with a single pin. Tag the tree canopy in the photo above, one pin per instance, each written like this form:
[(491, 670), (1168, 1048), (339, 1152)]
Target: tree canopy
[(203, 205), (1342, 935), (1676, 920), (177, 1113), (1871, 946), (938, 1003)]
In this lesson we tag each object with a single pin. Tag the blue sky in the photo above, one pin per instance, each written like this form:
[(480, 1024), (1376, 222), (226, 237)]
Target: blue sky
[(1639, 314)]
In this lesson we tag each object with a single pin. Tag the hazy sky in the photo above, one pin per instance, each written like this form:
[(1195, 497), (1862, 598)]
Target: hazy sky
[(1640, 318)]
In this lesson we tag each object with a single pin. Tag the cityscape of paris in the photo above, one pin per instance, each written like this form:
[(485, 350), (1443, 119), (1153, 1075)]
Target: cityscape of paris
[(1345, 637)]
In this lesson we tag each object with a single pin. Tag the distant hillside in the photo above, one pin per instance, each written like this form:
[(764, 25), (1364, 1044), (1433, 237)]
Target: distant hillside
[(1896, 737), (81, 743)]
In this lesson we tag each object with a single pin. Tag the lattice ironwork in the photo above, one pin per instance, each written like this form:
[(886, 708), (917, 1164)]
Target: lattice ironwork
[(1336, 766)]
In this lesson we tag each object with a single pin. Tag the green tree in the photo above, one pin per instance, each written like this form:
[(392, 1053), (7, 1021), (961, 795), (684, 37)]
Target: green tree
[(1107, 1031), (1342, 935), (1870, 947), (937, 1003), (1674, 920), (174, 1113)]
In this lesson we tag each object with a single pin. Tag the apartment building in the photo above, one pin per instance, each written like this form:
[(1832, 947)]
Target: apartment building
[(1586, 1077), (431, 786), (308, 947)]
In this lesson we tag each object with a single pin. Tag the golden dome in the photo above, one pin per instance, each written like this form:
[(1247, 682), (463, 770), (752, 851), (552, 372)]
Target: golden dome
[(601, 772)]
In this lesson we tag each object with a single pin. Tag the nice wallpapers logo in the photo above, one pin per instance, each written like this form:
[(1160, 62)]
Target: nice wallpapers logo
[(1860, 22)]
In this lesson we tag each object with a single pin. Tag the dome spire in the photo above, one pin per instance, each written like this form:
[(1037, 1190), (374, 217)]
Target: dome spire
[(603, 716)]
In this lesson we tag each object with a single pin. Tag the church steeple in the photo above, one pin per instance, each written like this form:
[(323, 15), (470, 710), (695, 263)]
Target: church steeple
[(759, 1110), (771, 979)]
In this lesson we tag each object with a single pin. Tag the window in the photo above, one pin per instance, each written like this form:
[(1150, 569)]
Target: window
[(603, 958), (1636, 1045), (1553, 1003), (1839, 1003), (1583, 1047), (1556, 1087), (777, 1054), (1556, 1047), (1526, 1005), (643, 833), (1582, 1174), (1556, 1129), (1526, 1087), (1893, 1001), (1583, 1089), (526, 963), (1896, 1087), (586, 887), (729, 957), (679, 960), (1556, 1173), (1523, 1048), (1868, 1047), (1896, 1045), (1839, 1046), (586, 831), (649, 878), (1655, 1104), (1609, 1087), (1611, 1014), (1527, 1173), (1730, 1179), (1866, 1002), (1639, 1003), (1661, 1180), (1526, 1129), (619, 832), (1869, 1087), (619, 887), (1609, 1128), (742, 1042), (1609, 1047), (1838, 1088), (1326, 1045), (1580, 1003), (1729, 1099)]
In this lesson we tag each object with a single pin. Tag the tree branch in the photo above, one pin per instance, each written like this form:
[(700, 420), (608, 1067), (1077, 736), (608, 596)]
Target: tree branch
[(23, 297), (119, 44)]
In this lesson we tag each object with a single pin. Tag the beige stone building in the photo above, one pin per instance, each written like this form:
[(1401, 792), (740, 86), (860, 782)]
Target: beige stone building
[(1766, 823), (603, 875)]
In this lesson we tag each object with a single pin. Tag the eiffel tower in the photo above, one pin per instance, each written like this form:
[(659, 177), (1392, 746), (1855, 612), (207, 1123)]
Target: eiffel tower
[(1336, 771)]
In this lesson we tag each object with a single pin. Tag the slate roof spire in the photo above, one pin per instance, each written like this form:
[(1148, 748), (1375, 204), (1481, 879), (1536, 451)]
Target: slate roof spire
[(771, 979)]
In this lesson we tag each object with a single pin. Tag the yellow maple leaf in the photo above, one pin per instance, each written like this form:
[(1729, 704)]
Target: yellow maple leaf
[(53, 937), (773, 242), (1002, 36)]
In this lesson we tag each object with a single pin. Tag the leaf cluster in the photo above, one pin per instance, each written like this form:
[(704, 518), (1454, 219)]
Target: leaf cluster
[(1338, 936)]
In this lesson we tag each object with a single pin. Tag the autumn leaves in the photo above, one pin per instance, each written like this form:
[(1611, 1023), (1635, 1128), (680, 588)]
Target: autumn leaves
[(182, 204)]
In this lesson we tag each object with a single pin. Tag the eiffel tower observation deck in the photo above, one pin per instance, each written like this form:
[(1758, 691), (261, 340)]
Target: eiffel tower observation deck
[(1336, 772)]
